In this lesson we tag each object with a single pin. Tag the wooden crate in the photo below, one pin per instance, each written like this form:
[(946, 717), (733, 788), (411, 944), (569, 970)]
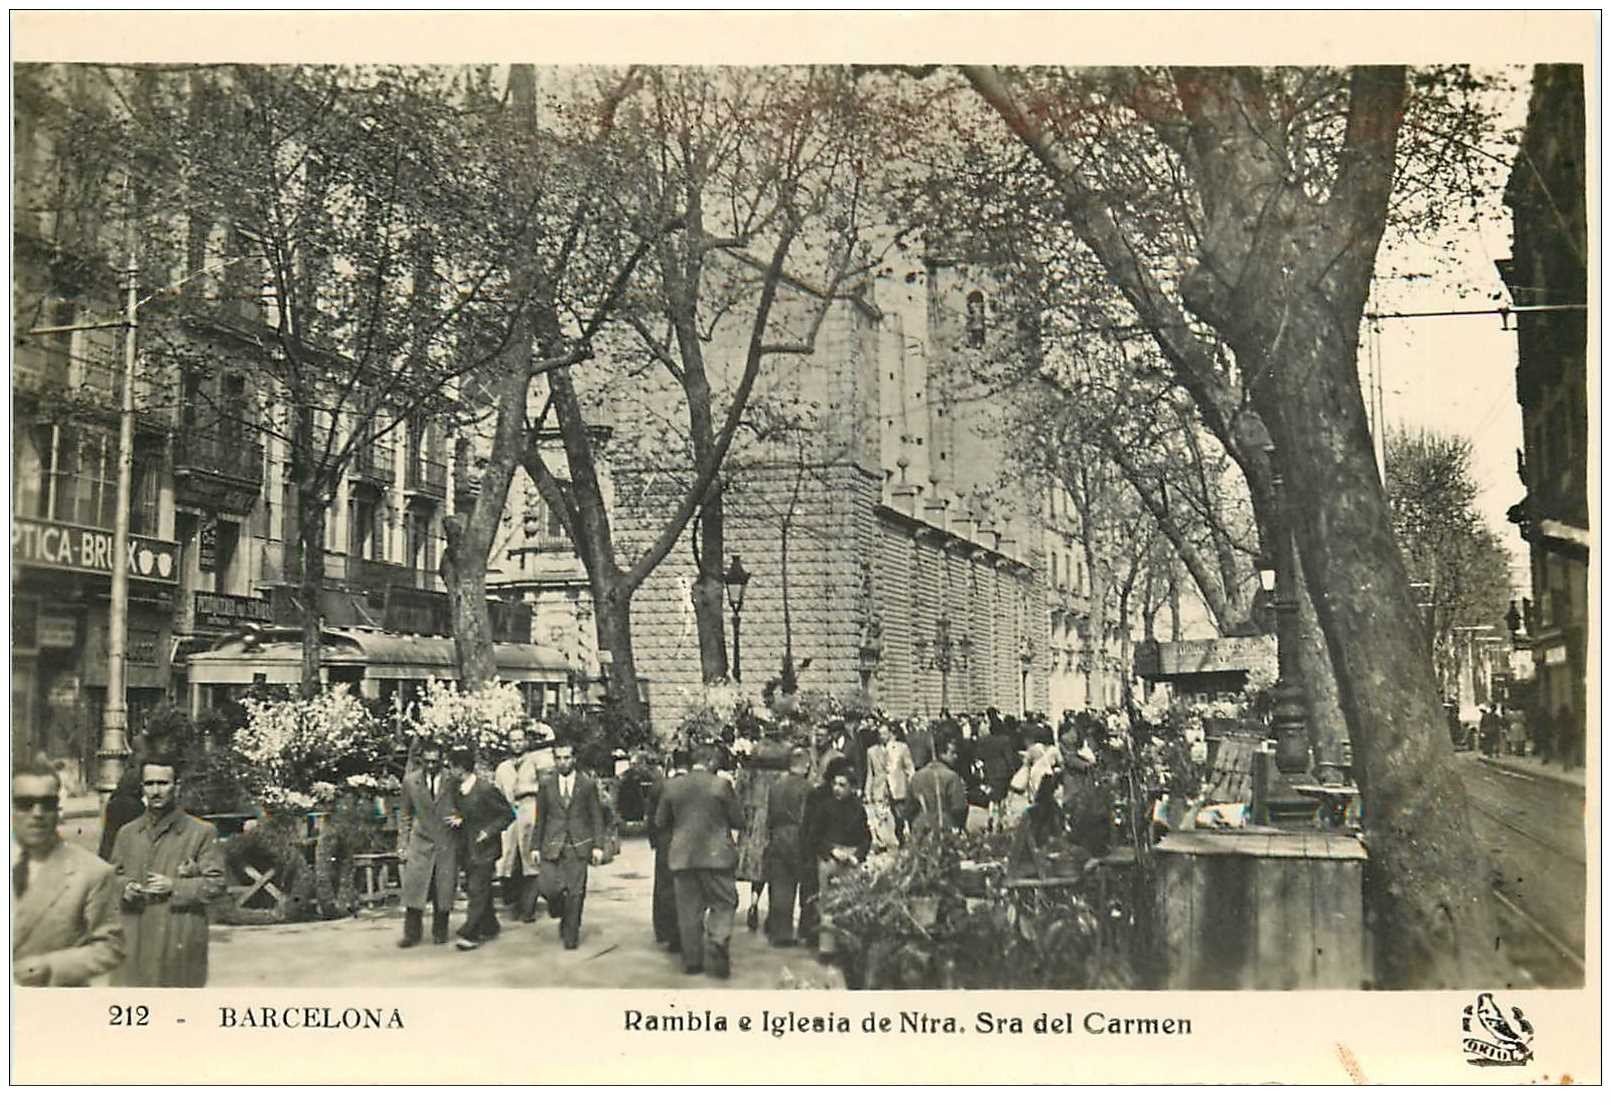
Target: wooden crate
[(1262, 910)]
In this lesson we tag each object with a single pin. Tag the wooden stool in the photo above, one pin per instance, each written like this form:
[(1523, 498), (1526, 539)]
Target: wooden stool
[(379, 874)]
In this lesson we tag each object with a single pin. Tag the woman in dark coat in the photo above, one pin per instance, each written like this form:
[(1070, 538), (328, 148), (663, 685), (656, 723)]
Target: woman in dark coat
[(125, 805)]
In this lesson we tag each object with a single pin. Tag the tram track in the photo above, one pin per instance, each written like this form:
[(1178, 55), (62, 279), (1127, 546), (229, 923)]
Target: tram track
[(1531, 828), (1561, 950)]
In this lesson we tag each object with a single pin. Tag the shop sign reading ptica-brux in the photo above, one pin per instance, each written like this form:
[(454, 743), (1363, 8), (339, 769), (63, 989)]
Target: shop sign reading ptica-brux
[(77, 548)]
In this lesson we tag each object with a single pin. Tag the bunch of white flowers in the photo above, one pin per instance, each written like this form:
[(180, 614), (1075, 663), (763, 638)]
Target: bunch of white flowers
[(483, 719), (296, 752)]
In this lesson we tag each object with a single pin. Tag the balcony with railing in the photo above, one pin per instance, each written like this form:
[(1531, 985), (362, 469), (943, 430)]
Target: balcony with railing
[(423, 475), (374, 463), (213, 454)]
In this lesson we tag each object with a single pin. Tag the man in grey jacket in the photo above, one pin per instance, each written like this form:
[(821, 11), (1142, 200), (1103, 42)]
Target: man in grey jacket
[(65, 928), (697, 814)]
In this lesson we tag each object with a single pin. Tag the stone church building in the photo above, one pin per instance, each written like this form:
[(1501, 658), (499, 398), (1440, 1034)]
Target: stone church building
[(920, 570)]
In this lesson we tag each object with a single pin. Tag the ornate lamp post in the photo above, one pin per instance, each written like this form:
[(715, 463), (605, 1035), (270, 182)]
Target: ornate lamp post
[(948, 653), (1289, 725), (1291, 716), (736, 579), (1026, 662)]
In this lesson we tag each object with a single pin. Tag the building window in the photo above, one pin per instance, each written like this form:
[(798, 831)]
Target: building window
[(422, 552), (365, 542), (976, 320)]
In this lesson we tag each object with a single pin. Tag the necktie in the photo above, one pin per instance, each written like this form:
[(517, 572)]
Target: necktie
[(433, 785), (19, 876)]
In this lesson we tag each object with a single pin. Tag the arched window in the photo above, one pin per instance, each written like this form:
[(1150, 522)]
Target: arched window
[(976, 320)]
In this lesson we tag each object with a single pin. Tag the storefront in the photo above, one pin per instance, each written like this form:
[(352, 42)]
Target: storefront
[(61, 612), (376, 663)]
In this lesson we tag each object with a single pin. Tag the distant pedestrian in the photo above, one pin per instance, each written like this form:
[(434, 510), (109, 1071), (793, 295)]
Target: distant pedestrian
[(700, 811), (942, 804), (758, 770), (786, 852), (65, 927), (1489, 730), (126, 804), (170, 866), (1543, 734), (920, 739), (839, 839), (516, 779), (484, 814), (1516, 732), (663, 906), (570, 831), (1568, 736)]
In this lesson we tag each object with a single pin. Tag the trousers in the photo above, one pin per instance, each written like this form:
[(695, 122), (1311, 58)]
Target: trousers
[(783, 884), (564, 883), (707, 899), (481, 920), (663, 911)]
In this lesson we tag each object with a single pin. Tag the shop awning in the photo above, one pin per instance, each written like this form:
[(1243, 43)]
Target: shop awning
[(275, 656)]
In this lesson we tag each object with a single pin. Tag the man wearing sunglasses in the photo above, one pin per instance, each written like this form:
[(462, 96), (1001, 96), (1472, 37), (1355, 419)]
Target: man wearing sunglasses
[(65, 929)]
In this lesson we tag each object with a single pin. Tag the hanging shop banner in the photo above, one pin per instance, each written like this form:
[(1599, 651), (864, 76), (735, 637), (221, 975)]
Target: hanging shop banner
[(208, 543), (88, 549)]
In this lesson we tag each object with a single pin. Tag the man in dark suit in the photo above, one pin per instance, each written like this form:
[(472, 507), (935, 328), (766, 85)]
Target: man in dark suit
[(663, 910), (920, 740), (786, 853), (570, 835), (941, 800), (65, 928), (484, 814), (428, 842), (701, 811)]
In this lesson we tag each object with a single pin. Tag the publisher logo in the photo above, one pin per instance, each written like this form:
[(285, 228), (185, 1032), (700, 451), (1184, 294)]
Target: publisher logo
[(1491, 1038)]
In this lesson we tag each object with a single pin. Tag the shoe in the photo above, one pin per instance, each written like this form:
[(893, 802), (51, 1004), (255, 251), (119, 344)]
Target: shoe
[(465, 944), (696, 969), (720, 967), (753, 920), (785, 942), (408, 941), (570, 945)]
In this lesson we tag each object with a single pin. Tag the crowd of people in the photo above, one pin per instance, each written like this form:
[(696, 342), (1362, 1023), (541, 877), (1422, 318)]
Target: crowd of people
[(784, 816), (1503, 730), (788, 817)]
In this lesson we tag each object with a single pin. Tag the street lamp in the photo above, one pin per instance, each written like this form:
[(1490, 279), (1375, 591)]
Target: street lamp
[(946, 653), (1026, 662), (736, 579), (1290, 722)]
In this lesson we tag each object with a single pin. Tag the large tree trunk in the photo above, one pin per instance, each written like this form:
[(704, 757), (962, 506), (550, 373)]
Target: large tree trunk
[(1292, 319), (612, 617), (708, 592), (310, 526), (587, 519), (470, 535)]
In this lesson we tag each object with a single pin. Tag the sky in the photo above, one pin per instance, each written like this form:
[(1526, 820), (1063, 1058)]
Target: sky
[(1457, 375)]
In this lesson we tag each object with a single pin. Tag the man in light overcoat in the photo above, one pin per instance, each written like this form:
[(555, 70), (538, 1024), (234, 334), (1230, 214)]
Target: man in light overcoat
[(171, 866), (427, 840)]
